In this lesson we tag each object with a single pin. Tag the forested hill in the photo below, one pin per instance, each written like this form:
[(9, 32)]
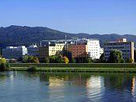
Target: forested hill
[(23, 35)]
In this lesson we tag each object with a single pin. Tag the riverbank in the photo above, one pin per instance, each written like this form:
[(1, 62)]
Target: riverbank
[(97, 67), (67, 69)]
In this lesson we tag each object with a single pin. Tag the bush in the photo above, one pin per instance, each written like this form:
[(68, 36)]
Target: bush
[(32, 69), (4, 66), (129, 61), (30, 59)]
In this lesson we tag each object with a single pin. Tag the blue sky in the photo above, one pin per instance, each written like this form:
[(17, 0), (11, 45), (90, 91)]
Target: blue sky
[(75, 16)]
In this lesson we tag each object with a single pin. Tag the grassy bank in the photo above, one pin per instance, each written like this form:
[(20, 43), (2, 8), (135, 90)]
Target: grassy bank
[(97, 67), (67, 69), (87, 65)]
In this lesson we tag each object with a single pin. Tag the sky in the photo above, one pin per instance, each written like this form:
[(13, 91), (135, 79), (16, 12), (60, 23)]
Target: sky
[(73, 16)]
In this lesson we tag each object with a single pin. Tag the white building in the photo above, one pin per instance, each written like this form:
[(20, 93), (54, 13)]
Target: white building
[(33, 50), (93, 47), (11, 52)]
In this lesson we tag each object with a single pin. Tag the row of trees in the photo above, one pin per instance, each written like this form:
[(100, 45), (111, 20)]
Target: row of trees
[(115, 57), (3, 64), (65, 57), (51, 59)]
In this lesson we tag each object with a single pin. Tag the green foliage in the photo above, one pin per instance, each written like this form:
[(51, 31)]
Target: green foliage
[(122, 61), (129, 61), (115, 56), (56, 59), (73, 60), (32, 69), (30, 59), (45, 60), (3, 60), (83, 60), (89, 60), (82, 65), (3, 64), (102, 58)]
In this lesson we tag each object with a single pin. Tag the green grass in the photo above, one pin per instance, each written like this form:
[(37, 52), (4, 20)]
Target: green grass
[(77, 67), (91, 65), (84, 69)]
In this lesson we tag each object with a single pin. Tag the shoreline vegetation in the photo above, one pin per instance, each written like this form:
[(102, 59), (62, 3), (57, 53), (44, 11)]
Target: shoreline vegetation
[(75, 67)]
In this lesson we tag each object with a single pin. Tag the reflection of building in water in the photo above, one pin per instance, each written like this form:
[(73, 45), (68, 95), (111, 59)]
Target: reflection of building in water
[(95, 87), (133, 86), (55, 82), (123, 86), (120, 82), (94, 82)]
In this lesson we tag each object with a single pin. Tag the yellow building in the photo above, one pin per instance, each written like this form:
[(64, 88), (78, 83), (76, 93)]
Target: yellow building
[(52, 48)]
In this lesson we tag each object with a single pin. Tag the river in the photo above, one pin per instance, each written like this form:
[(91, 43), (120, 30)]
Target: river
[(67, 87)]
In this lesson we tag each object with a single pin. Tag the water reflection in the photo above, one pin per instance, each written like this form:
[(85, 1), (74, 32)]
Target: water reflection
[(67, 87)]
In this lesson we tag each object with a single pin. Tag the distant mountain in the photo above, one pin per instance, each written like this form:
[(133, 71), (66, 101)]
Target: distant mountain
[(23, 35)]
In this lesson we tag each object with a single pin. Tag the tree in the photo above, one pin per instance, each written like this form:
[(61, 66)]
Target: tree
[(3, 64), (45, 60), (35, 60), (73, 60), (25, 59), (115, 56), (56, 59), (87, 60), (66, 60), (129, 60), (68, 54), (30, 59), (3, 60), (102, 58)]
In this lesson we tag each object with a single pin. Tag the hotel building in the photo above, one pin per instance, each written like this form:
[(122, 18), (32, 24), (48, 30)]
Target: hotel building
[(127, 48)]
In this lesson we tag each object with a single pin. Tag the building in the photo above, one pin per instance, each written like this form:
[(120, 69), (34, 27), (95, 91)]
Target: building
[(33, 50), (14, 52), (78, 51), (43, 52), (50, 48), (127, 48), (93, 47)]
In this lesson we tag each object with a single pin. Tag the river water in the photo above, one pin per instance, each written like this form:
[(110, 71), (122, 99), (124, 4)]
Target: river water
[(67, 87)]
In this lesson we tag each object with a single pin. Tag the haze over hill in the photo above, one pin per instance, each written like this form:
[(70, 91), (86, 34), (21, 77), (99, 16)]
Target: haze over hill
[(24, 35)]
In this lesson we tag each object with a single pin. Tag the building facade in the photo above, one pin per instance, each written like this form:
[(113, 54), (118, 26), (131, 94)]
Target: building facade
[(93, 47), (78, 51), (33, 50), (127, 48), (50, 48), (14, 52)]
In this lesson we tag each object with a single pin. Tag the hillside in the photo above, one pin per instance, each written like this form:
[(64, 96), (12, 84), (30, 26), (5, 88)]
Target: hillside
[(23, 35)]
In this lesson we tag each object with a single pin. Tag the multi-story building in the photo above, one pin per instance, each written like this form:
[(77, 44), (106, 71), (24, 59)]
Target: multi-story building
[(43, 52), (50, 48), (78, 51), (93, 47), (33, 50), (127, 48), (14, 52)]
